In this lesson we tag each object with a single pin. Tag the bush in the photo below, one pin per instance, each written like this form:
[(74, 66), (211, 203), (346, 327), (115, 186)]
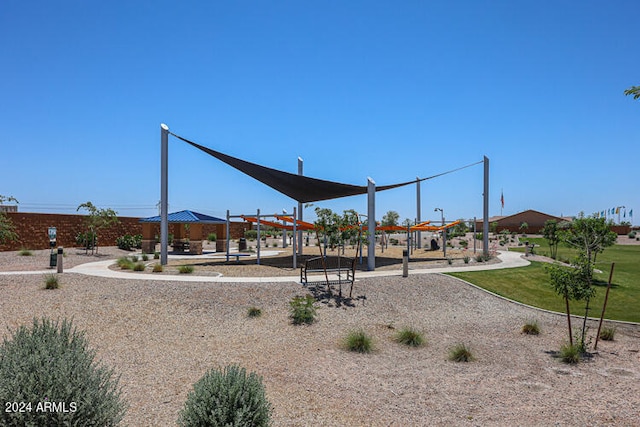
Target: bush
[(251, 234), (125, 263), (186, 269), (466, 259), (227, 398), (156, 255), (25, 252), (145, 257), (461, 353), (51, 281), (302, 310), (254, 312), (157, 268), (570, 353), (129, 242), (359, 341), (139, 266), (410, 337), (531, 328), (632, 235), (212, 237), (608, 333), (134, 258), (51, 363), (87, 240)]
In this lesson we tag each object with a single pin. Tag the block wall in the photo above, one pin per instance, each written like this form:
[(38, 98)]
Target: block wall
[(32, 230)]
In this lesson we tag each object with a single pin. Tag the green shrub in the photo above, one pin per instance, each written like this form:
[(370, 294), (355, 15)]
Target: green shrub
[(185, 269), (134, 258), (156, 255), (463, 244), (212, 237), (608, 333), (251, 234), (125, 263), (449, 260), (632, 234), (51, 281), (254, 312), (531, 328), (570, 353), (157, 268), (461, 353), (466, 259), (302, 310), (359, 342), (52, 364), (129, 242), (87, 240), (227, 398), (139, 266), (410, 337), (145, 257), (25, 252)]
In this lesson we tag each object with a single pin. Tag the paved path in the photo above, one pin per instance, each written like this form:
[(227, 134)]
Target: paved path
[(101, 269)]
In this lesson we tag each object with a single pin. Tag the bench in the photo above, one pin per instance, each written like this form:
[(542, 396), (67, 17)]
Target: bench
[(237, 255), (343, 267)]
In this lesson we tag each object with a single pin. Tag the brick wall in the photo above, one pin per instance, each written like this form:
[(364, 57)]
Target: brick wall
[(32, 230)]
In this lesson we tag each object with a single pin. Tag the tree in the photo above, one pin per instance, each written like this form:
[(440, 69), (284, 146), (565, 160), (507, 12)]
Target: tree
[(551, 233), (7, 229), (571, 283), (390, 218), (97, 219), (524, 227), (633, 90), (590, 236)]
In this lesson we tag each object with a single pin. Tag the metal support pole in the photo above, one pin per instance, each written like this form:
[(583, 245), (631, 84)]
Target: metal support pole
[(418, 217), (300, 245), (258, 245), (228, 234), (295, 232), (474, 234), (164, 192), (371, 222), (444, 238), (485, 210)]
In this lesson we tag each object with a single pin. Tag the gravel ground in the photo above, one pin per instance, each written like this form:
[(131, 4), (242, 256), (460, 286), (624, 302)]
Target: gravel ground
[(161, 337)]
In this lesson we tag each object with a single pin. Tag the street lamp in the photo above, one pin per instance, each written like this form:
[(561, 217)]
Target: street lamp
[(444, 232)]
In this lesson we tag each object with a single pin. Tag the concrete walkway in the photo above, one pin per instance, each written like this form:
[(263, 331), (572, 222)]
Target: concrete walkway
[(101, 269)]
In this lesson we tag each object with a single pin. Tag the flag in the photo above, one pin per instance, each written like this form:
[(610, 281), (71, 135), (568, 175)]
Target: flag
[(631, 212), (502, 199), (617, 210)]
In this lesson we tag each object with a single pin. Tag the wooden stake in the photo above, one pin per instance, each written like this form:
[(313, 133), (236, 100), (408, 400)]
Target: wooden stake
[(604, 305)]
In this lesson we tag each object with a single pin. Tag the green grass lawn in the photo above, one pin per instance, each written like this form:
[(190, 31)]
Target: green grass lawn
[(530, 285)]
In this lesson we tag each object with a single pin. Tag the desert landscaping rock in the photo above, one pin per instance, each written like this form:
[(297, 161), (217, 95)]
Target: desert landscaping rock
[(161, 336)]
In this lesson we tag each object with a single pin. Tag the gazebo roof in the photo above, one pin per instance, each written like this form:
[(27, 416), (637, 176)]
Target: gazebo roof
[(187, 217)]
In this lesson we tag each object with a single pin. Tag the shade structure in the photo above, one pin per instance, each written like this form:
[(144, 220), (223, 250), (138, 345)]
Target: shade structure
[(301, 188), (187, 217)]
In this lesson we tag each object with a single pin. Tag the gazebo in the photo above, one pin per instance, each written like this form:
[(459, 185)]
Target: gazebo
[(188, 231)]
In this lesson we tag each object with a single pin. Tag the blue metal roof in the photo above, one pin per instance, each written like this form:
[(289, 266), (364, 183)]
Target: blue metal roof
[(187, 217)]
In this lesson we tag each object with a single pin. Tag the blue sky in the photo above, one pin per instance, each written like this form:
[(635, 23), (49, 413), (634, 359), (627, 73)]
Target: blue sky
[(390, 90)]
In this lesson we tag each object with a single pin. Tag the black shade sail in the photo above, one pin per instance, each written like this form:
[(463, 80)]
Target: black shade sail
[(299, 187)]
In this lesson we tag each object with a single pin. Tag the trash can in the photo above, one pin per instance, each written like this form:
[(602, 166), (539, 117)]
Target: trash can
[(53, 259), (242, 244)]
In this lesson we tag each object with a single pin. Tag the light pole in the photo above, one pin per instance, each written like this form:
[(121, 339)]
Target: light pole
[(444, 232)]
